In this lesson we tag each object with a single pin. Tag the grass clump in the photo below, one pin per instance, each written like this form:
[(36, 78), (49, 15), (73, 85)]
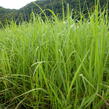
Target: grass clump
[(58, 65)]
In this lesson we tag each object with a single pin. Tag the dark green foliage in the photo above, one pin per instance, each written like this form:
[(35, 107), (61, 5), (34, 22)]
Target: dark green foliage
[(24, 13)]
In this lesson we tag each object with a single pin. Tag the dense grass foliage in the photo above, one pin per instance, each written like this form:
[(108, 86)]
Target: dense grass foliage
[(55, 65)]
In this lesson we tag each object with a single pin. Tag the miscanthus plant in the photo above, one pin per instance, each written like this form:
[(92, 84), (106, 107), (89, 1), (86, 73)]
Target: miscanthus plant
[(55, 65)]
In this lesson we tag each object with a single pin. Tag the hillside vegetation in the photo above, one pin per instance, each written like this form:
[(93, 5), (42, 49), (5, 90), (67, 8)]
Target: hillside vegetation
[(55, 65), (57, 6)]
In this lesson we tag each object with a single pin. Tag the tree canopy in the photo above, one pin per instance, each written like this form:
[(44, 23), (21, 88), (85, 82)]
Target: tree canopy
[(57, 6)]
